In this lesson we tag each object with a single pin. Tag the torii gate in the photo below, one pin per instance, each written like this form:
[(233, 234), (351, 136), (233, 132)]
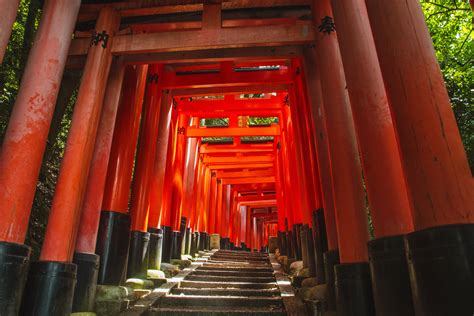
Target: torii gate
[(369, 98)]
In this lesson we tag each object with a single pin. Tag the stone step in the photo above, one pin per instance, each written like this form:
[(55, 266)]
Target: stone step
[(226, 292), (238, 259), (223, 267), (226, 285), (209, 278), (239, 263), (222, 301), (238, 273), (213, 311)]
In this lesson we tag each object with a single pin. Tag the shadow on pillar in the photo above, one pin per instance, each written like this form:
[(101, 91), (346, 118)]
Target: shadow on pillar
[(112, 246), (49, 289), (331, 259), (354, 290), (320, 244), (441, 267), (138, 255), (14, 262), (390, 279), (87, 274), (155, 248)]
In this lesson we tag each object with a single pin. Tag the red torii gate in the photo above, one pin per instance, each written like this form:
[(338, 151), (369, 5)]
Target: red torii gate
[(352, 114)]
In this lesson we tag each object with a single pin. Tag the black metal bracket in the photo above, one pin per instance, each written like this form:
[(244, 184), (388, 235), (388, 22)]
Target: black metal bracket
[(153, 78), (100, 37)]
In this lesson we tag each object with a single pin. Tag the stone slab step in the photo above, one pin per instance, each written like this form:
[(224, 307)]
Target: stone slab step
[(225, 292), (238, 273), (239, 263), (209, 311), (208, 267), (206, 301), (210, 278), (226, 285)]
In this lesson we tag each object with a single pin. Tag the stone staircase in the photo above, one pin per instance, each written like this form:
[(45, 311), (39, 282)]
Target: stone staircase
[(229, 283)]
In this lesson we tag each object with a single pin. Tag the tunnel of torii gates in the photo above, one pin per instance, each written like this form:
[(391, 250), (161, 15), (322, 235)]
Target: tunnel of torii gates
[(358, 112)]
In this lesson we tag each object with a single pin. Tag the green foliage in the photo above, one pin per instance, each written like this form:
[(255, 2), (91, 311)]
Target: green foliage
[(451, 26)]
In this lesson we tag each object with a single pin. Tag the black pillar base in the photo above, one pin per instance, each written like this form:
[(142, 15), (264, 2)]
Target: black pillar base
[(203, 241), (311, 256), (166, 250), (441, 267), (155, 248), (289, 244), (195, 244), (320, 244), (112, 246), (49, 289), (282, 243), (331, 259), (390, 279), (138, 255), (14, 261), (296, 242), (354, 290), (87, 273), (175, 245), (304, 245), (187, 246), (208, 242)]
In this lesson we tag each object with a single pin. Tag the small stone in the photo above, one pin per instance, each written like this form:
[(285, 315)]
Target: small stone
[(295, 267), (139, 293), (309, 282), (155, 274), (112, 292), (158, 282), (182, 264), (316, 293), (304, 273), (169, 270), (139, 284)]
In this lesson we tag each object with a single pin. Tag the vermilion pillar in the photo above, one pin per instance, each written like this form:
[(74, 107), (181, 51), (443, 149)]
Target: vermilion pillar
[(313, 82), (351, 217), (87, 234), (25, 139), (114, 225), (159, 169), (144, 163), (119, 173), (437, 172), (60, 238), (8, 9), (383, 174), (91, 207)]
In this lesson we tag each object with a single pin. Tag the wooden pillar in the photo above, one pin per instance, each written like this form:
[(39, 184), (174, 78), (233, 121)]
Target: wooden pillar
[(114, 224), (140, 199), (351, 217), (159, 169), (60, 239), (322, 147), (122, 155), (9, 9), (383, 173), (70, 188), (90, 215), (438, 177), (25, 139)]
